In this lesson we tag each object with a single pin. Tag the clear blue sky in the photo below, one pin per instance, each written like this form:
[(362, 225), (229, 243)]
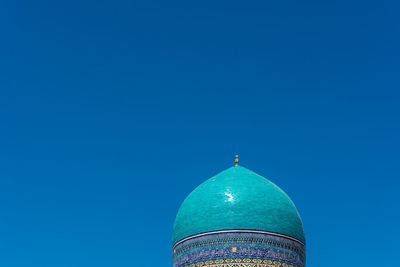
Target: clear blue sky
[(111, 112)]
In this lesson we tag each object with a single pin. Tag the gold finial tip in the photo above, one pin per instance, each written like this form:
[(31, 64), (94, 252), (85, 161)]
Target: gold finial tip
[(237, 160)]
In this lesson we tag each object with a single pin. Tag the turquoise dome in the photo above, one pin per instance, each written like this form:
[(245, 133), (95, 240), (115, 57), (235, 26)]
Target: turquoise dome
[(238, 199)]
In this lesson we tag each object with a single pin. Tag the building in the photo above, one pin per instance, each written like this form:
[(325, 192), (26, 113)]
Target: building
[(238, 218)]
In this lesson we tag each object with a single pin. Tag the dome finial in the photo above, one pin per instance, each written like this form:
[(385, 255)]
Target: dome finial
[(237, 160)]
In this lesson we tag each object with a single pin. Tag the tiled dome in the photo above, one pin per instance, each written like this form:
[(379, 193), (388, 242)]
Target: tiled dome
[(238, 198)]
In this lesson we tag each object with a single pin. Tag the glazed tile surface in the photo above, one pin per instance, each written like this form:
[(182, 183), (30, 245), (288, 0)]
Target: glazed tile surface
[(237, 198), (250, 249), (238, 219)]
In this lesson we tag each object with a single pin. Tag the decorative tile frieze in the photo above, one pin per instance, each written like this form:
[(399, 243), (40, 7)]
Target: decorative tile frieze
[(259, 248)]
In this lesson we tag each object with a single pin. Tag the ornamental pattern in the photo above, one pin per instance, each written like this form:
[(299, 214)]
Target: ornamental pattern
[(237, 248), (240, 263)]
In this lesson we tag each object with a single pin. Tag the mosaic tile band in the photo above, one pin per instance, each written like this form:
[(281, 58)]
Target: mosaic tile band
[(236, 248), (240, 263)]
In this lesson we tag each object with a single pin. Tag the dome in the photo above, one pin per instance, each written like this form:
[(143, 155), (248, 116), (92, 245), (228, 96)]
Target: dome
[(238, 199)]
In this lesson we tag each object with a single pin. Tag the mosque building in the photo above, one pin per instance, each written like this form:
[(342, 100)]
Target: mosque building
[(238, 219)]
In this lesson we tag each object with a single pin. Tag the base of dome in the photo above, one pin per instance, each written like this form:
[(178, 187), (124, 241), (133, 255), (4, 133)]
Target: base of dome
[(239, 247)]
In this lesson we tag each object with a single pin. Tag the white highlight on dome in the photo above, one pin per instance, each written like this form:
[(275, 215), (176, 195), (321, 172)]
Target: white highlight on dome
[(230, 196)]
